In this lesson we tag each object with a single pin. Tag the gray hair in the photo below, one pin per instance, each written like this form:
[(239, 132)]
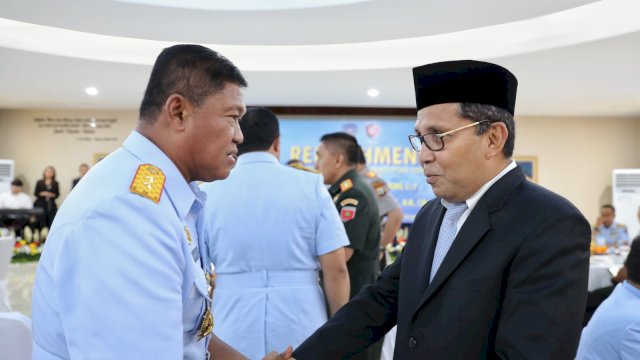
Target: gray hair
[(483, 112)]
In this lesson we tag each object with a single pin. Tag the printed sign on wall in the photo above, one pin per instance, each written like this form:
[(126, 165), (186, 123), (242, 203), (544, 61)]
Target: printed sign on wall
[(81, 128), (386, 148)]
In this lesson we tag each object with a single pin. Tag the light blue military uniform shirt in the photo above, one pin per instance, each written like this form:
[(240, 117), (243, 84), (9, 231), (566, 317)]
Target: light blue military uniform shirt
[(267, 225), (616, 233), (614, 330), (386, 201), (118, 278)]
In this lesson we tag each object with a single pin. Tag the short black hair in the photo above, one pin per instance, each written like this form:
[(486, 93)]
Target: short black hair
[(608, 206), (343, 143), (362, 160), (16, 182), (633, 261), (260, 129), (193, 71)]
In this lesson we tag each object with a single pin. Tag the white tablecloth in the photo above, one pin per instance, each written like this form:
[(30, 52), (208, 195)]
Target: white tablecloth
[(599, 274)]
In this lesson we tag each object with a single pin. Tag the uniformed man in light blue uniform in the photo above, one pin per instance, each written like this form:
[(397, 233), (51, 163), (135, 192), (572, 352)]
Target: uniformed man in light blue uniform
[(614, 234), (270, 228), (614, 330), (124, 272)]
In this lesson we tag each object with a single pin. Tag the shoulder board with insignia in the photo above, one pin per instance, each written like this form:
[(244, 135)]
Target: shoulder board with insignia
[(148, 182), (303, 168), (371, 174), (380, 188), (346, 185), (621, 226), (349, 201)]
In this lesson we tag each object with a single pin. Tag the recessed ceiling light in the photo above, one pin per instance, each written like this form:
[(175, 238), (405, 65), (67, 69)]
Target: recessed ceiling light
[(373, 92), (91, 91)]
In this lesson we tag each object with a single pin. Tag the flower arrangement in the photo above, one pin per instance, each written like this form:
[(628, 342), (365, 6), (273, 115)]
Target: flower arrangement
[(27, 247), (22, 247), (394, 250)]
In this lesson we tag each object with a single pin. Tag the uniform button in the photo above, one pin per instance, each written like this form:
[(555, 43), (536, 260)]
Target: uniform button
[(412, 342)]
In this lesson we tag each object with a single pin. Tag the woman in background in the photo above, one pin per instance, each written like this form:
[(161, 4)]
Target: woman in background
[(46, 192)]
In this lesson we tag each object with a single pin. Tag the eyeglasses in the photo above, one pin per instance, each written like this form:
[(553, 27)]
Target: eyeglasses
[(434, 141)]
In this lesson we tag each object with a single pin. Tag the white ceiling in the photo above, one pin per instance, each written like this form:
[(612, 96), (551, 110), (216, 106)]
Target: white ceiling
[(572, 57)]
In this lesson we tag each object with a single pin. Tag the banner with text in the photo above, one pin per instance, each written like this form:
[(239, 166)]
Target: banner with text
[(386, 148)]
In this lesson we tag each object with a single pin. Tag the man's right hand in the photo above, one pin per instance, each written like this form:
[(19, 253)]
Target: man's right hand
[(282, 356)]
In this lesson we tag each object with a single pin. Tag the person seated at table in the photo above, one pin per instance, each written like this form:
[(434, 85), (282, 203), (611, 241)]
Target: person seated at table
[(614, 329), (15, 198), (614, 234)]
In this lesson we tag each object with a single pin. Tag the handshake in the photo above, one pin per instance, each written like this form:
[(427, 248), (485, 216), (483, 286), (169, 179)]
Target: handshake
[(281, 356)]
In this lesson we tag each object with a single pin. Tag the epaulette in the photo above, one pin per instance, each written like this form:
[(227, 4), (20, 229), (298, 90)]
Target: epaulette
[(304, 168), (346, 185), (371, 174), (148, 182), (621, 225), (380, 188)]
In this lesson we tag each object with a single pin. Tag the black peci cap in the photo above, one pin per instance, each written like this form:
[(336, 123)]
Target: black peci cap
[(465, 81)]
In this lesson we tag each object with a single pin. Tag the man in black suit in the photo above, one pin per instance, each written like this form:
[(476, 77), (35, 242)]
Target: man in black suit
[(496, 266), (83, 169)]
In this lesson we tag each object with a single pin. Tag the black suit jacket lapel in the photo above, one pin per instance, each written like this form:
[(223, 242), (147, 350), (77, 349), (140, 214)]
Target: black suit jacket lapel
[(473, 230)]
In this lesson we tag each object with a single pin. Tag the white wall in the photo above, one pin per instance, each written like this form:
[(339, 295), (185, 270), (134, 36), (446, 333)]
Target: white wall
[(576, 156), (33, 147)]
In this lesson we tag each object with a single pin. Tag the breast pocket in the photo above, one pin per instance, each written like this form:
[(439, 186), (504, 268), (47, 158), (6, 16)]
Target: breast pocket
[(480, 296)]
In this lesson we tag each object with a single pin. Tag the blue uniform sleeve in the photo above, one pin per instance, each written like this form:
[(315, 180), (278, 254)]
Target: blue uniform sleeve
[(630, 342), (386, 203), (624, 234), (330, 232), (119, 282)]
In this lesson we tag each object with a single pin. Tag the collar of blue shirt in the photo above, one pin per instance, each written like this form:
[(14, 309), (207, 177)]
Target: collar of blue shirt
[(256, 156)]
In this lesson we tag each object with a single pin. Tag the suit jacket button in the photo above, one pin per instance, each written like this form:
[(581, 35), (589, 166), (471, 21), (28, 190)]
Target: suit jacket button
[(412, 342)]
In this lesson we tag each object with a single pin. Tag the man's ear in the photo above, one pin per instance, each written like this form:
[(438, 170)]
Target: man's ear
[(276, 145), (496, 137), (340, 159), (178, 110)]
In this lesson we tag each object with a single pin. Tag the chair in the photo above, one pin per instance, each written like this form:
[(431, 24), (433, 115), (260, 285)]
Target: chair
[(15, 336), (6, 252)]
